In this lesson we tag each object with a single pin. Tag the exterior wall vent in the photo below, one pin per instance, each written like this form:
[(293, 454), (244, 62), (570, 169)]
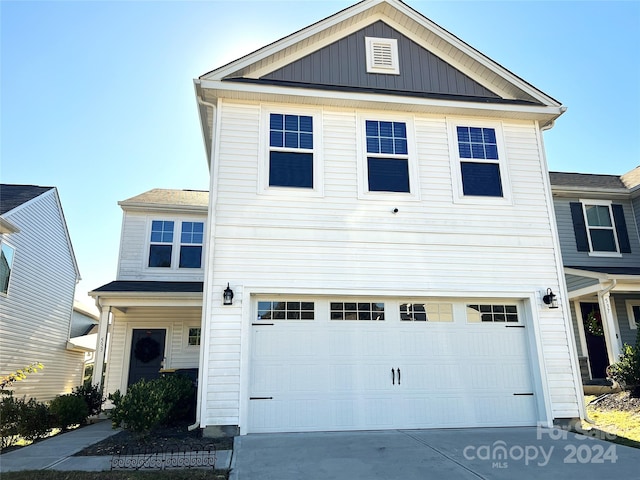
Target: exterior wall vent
[(382, 55)]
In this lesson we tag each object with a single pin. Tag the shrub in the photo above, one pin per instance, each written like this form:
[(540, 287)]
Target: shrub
[(92, 396), (626, 371), (149, 404), (67, 410), (22, 419), (18, 376)]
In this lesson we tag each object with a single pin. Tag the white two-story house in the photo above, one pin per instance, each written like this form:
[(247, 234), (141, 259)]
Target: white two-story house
[(380, 249)]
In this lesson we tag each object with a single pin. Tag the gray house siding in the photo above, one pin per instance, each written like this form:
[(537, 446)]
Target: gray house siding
[(343, 63), (627, 335), (570, 254), (576, 282)]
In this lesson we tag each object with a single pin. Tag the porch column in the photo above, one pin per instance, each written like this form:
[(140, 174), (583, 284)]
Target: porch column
[(101, 346), (608, 323)]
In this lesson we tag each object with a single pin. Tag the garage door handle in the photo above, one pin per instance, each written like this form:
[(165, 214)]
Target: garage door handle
[(393, 377), (398, 376)]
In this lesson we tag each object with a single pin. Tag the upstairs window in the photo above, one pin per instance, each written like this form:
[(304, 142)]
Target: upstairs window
[(600, 227), (160, 251), (290, 150), (191, 245), (387, 156), (167, 250), (6, 264), (479, 161)]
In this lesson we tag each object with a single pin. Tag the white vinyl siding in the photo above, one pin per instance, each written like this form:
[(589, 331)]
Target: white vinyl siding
[(35, 316), (340, 242)]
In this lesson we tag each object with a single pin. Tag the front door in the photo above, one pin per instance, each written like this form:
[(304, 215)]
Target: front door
[(147, 353), (594, 335)]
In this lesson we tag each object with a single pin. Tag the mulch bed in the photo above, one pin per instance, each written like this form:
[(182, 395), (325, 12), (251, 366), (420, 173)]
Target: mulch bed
[(176, 437), (622, 401)]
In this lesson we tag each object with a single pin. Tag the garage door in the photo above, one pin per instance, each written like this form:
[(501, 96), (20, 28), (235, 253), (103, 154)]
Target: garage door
[(321, 365)]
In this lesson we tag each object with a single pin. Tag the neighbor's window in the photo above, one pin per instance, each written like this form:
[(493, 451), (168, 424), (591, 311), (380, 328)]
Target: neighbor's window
[(387, 156), (191, 245), (194, 336), (426, 312), (479, 162), (357, 311), (602, 237), (633, 313), (290, 150), (161, 249), (6, 264), (274, 310), (491, 313)]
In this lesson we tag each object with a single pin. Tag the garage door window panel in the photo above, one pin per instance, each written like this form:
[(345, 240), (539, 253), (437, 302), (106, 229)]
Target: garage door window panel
[(492, 313), (277, 310), (426, 312), (357, 311)]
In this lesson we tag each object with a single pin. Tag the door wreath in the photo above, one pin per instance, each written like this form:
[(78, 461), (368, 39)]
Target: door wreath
[(147, 349), (594, 324)]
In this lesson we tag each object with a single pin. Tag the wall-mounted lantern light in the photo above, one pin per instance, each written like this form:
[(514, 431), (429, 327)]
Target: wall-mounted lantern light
[(550, 299), (227, 296)]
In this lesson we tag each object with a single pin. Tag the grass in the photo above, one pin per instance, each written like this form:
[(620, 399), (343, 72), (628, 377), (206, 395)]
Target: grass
[(189, 474), (625, 425)]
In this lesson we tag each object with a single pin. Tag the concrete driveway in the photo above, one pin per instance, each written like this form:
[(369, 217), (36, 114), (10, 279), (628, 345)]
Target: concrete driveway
[(486, 453)]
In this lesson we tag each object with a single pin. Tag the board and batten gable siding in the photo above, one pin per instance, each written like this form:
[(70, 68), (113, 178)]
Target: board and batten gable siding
[(178, 354), (35, 315), (570, 254), (338, 242), (134, 248), (420, 70)]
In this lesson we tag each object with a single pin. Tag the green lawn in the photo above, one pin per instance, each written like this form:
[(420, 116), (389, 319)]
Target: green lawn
[(623, 424)]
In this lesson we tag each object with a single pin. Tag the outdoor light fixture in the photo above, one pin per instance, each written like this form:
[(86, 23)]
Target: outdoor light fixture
[(227, 296), (550, 299)]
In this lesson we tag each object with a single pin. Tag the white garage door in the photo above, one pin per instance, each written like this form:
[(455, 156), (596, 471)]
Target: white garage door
[(323, 365)]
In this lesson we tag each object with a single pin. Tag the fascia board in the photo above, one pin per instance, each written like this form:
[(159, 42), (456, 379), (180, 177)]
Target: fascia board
[(66, 230), (260, 92), (617, 193), (158, 207), (148, 299), (7, 227)]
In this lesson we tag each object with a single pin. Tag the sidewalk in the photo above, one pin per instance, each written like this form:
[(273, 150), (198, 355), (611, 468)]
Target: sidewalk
[(56, 453)]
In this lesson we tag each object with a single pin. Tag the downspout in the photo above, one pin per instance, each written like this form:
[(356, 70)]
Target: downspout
[(204, 350)]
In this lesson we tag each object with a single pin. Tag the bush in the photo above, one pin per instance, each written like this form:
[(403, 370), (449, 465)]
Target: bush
[(92, 397), (67, 410), (626, 371), (149, 404), (22, 419)]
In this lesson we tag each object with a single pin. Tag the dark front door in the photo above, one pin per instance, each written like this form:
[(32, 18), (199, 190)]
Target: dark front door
[(147, 353), (594, 334)]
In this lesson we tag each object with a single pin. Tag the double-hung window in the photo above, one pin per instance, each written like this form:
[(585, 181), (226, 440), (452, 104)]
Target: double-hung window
[(479, 162), (6, 264), (169, 250), (600, 227), (387, 156), (291, 150)]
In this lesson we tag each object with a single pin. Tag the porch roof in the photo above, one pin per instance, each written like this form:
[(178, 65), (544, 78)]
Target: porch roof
[(131, 286), (609, 271)]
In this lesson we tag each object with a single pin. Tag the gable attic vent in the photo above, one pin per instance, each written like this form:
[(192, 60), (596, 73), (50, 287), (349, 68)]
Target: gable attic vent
[(382, 55)]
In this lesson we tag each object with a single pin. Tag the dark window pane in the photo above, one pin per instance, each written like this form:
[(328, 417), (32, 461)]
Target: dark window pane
[(291, 139), (386, 145), (306, 141), (378, 307), (276, 139), (399, 130), (350, 306), (373, 145), (160, 256), (190, 256), (291, 123), (364, 316), (511, 317), (465, 150), (489, 135), (275, 121), (306, 123), (372, 128), (477, 150), (386, 129), (351, 316), (278, 315), (498, 308), (476, 134), (463, 134), (293, 315), (511, 309), (290, 169), (336, 306), (498, 317), (401, 147), (485, 308), (293, 305), (491, 152), (306, 306), (487, 317), (388, 175), (602, 240), (336, 315), (482, 179)]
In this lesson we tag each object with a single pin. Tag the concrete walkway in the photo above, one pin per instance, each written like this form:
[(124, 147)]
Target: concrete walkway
[(56, 453), (479, 453)]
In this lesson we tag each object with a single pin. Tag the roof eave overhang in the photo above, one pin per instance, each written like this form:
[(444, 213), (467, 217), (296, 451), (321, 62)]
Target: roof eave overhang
[(216, 89), (7, 227), (590, 192), (157, 207), (122, 299), (601, 275)]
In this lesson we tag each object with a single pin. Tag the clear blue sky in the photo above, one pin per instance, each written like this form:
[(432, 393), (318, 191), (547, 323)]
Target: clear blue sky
[(98, 100)]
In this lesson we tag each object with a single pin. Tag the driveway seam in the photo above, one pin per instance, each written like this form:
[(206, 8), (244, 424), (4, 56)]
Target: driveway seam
[(442, 453)]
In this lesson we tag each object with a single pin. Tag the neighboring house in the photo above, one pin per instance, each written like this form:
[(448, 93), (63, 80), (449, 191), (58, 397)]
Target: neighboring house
[(155, 303), (598, 218), (381, 226), (84, 331), (38, 277)]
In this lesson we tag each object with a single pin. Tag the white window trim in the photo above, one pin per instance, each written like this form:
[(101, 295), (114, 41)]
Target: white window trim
[(186, 340), (603, 203), (10, 245), (456, 160), (263, 153), (175, 245), (362, 155), (388, 43), (630, 304)]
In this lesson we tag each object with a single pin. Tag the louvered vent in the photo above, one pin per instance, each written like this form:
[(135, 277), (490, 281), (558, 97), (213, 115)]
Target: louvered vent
[(382, 55)]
